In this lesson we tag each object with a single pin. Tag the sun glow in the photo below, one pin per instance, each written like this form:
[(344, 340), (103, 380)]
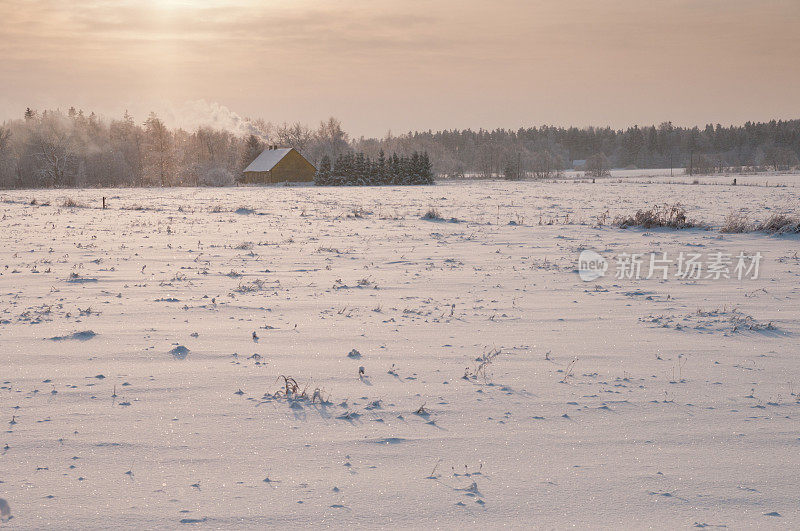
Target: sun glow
[(190, 5)]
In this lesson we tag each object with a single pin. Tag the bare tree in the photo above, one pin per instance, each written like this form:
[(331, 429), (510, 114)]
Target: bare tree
[(780, 158), (598, 166), (331, 140), (213, 143), (126, 139), (545, 164), (252, 148), (51, 145), (6, 159), (159, 161), (296, 135)]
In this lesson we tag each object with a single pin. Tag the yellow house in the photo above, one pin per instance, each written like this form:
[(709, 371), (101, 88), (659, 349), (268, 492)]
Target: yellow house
[(276, 165)]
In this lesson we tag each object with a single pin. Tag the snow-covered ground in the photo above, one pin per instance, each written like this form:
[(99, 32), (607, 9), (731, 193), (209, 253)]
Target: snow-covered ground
[(142, 350), (679, 176)]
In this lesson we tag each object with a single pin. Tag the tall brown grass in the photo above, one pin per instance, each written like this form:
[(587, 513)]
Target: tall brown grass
[(659, 216)]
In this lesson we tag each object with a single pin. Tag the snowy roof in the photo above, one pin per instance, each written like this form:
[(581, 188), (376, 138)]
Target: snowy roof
[(268, 159)]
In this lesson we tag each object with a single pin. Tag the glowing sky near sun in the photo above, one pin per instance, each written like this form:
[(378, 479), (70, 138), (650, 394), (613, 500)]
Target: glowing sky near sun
[(409, 64)]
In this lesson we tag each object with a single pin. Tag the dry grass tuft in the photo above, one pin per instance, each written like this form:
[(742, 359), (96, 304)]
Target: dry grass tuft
[(780, 224), (255, 286), (359, 213), (291, 391), (660, 216), (482, 364), (736, 223), (71, 203), (433, 215)]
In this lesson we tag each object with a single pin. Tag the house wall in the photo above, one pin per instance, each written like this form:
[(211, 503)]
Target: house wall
[(251, 177), (293, 167)]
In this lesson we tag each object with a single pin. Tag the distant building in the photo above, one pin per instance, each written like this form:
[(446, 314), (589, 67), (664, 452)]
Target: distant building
[(579, 164), (277, 165)]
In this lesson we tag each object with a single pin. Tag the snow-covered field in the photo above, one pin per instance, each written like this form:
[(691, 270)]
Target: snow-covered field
[(142, 350), (679, 176)]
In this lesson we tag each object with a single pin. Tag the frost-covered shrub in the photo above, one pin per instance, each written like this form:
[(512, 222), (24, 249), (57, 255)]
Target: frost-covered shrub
[(215, 176)]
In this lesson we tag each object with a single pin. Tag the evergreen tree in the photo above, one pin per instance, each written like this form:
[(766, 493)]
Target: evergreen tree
[(372, 172), (427, 169), (323, 175), (338, 177), (414, 175), (510, 172), (394, 170), (692, 144), (360, 170), (343, 169), (380, 168), (403, 171), (347, 173)]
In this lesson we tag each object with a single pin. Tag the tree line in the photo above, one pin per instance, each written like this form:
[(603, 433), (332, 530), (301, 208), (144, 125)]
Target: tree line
[(546, 150), (357, 169), (53, 148)]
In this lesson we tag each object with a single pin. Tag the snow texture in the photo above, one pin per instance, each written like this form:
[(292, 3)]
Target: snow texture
[(498, 388)]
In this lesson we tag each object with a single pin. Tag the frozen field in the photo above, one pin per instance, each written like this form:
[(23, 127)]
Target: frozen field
[(142, 349)]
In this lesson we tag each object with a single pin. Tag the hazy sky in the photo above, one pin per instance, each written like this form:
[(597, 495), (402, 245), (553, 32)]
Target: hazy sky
[(407, 64)]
